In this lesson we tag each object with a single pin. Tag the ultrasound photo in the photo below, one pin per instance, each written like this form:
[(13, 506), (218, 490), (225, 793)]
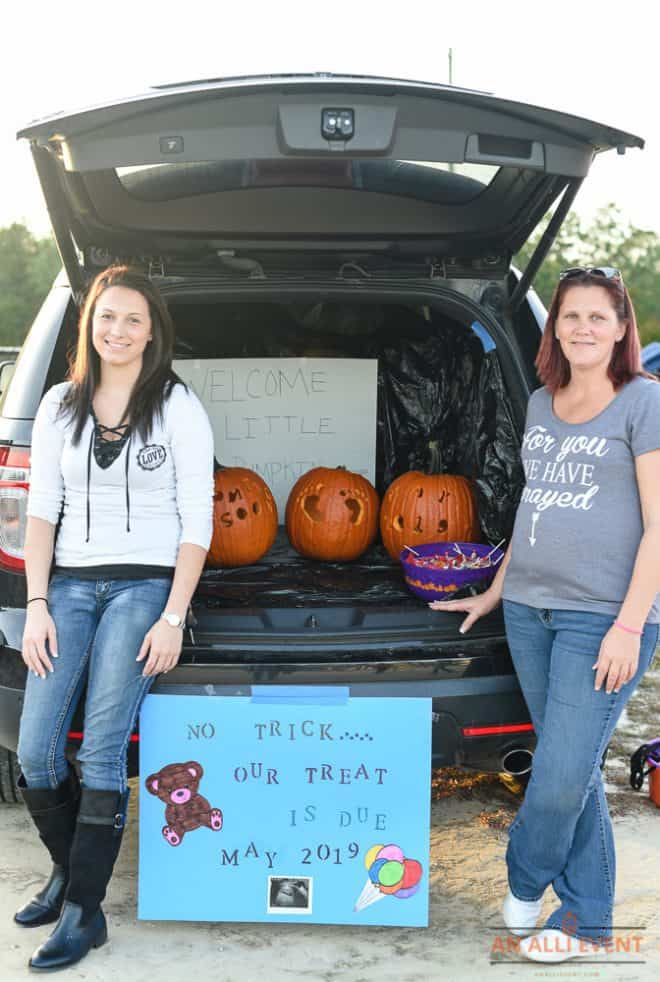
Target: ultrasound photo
[(288, 894)]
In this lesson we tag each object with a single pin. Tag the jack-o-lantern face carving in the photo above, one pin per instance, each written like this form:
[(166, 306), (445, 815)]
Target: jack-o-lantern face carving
[(419, 508), (244, 518), (332, 514)]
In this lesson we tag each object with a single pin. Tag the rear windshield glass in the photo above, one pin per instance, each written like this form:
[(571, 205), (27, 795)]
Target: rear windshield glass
[(437, 182)]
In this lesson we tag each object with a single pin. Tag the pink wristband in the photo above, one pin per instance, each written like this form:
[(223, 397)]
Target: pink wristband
[(628, 630)]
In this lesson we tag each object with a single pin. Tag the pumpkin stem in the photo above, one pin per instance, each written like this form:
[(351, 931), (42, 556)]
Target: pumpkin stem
[(434, 458)]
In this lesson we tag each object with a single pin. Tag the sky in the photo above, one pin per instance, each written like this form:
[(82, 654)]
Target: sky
[(593, 61)]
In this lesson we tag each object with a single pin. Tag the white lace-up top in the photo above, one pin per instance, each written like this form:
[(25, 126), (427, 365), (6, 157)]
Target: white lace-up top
[(136, 509)]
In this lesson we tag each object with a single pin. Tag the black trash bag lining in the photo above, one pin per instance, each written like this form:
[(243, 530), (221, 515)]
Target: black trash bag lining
[(441, 398)]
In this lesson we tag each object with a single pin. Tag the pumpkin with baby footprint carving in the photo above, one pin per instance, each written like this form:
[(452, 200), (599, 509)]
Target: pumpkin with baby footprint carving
[(332, 514)]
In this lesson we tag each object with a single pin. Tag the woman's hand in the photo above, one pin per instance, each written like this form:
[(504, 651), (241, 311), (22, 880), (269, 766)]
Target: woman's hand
[(162, 644), (617, 660), (39, 628), (475, 606)]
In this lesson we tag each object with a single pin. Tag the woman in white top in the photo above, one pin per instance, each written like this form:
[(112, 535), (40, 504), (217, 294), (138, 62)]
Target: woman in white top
[(122, 471)]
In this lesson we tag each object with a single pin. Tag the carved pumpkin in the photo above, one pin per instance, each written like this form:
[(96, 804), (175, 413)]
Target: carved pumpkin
[(332, 514), (244, 518), (419, 508)]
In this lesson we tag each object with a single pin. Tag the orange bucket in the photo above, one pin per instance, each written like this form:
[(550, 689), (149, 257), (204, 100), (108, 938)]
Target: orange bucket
[(648, 753), (654, 785)]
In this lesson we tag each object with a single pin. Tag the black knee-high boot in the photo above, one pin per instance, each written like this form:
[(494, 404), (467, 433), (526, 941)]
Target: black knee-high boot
[(95, 847), (53, 811)]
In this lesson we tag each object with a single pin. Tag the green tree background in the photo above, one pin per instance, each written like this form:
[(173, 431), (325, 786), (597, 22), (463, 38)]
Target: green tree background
[(28, 266), (608, 239)]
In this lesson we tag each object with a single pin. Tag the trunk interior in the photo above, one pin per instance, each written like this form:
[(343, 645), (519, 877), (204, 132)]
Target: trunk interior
[(442, 404)]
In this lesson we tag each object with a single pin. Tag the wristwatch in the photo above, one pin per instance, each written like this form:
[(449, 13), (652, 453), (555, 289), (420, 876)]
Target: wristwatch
[(172, 619)]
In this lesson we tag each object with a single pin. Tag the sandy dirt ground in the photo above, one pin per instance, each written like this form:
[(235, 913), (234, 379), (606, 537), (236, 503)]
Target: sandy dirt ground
[(465, 939)]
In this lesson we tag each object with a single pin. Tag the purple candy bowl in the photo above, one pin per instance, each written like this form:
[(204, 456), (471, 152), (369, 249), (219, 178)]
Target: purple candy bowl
[(439, 584)]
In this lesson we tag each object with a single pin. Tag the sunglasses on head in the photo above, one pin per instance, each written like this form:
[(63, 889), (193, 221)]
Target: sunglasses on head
[(608, 272)]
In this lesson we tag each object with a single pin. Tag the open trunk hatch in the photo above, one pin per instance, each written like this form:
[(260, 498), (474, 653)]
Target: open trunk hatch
[(324, 162), (442, 400)]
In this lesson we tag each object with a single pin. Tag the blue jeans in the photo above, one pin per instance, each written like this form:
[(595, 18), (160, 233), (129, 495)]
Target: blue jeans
[(100, 627), (562, 834)]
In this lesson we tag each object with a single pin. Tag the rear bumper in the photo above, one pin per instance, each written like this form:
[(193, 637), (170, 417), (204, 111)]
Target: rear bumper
[(463, 707), (459, 704)]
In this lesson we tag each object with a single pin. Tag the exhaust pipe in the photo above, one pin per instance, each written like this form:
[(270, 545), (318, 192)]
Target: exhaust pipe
[(517, 761)]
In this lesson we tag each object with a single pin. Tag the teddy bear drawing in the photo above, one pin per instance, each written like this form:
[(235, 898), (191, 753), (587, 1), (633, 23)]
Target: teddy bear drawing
[(185, 809)]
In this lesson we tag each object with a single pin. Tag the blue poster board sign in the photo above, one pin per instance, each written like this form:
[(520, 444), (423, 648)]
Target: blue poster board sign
[(294, 804)]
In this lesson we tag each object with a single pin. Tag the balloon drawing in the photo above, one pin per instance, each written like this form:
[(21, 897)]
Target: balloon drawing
[(390, 874)]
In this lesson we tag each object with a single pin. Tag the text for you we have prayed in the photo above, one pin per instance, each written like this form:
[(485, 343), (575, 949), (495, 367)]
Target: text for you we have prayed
[(556, 467)]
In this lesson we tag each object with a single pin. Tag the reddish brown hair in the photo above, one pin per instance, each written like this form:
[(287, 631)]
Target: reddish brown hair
[(552, 365)]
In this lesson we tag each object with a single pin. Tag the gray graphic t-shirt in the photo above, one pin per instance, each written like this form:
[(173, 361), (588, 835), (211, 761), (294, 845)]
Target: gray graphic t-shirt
[(579, 521)]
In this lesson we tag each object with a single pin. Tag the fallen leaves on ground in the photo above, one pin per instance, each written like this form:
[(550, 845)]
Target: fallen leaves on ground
[(448, 782)]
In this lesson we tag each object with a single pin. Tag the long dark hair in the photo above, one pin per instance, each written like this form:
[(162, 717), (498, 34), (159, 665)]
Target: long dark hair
[(156, 377), (552, 366)]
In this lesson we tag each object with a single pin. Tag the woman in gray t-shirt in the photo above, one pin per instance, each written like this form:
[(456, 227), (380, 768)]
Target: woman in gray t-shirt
[(580, 585)]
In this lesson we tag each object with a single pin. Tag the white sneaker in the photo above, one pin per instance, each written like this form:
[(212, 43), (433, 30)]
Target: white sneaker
[(520, 916), (553, 946)]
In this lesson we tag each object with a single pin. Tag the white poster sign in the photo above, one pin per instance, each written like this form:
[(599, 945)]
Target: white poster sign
[(282, 416)]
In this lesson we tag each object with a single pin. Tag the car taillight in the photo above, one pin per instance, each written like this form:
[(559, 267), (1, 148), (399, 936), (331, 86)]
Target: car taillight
[(14, 486)]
